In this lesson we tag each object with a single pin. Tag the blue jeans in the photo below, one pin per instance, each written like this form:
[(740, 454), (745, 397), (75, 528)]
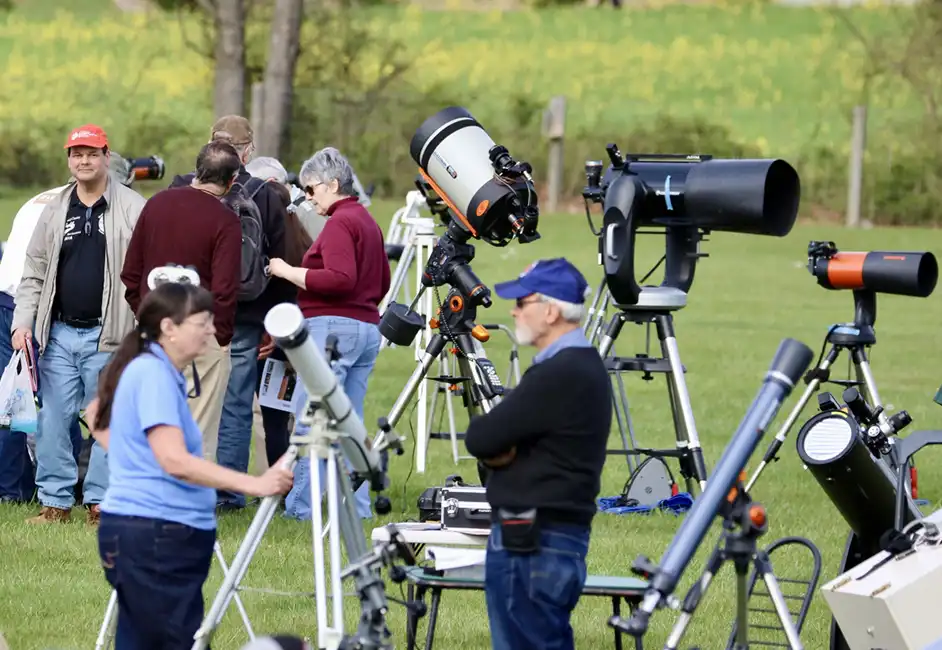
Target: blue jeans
[(68, 370), (235, 426), (358, 345), (158, 569), (530, 597), (16, 468)]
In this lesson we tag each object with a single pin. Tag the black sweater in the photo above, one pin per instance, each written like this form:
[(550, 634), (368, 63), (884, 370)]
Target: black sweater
[(558, 418)]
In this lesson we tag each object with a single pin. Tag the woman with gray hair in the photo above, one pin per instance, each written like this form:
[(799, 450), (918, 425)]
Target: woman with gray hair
[(342, 279)]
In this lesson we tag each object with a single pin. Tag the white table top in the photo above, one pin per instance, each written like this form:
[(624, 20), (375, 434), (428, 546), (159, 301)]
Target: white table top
[(431, 533)]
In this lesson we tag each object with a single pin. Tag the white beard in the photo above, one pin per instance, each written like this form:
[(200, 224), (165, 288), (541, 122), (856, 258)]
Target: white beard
[(524, 335)]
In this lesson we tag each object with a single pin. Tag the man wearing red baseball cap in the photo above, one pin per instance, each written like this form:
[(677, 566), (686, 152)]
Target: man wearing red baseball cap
[(71, 295)]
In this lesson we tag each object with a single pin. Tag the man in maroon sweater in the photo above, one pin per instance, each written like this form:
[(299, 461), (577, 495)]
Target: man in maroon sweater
[(191, 226)]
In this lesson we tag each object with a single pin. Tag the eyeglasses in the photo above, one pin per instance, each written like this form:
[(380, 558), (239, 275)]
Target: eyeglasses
[(309, 189), (523, 302)]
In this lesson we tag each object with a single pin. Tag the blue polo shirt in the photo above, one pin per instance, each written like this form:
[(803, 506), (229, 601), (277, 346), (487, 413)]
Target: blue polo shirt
[(572, 339), (152, 392)]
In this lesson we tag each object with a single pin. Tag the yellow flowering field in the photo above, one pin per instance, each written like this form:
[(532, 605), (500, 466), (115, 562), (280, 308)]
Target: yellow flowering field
[(779, 78)]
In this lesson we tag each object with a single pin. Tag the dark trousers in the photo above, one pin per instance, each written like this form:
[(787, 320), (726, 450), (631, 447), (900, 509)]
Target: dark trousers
[(274, 422), (158, 568), (530, 597)]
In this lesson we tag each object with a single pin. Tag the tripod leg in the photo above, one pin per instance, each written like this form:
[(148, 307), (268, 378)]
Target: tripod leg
[(109, 624), (779, 439), (238, 601), (623, 418), (450, 410), (607, 342), (678, 385), (237, 570), (432, 352), (317, 540), (764, 567), (742, 610), (694, 596)]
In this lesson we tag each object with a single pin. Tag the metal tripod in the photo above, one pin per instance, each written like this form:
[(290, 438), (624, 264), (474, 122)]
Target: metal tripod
[(319, 442), (109, 624), (743, 523), (655, 306), (397, 234), (420, 238), (480, 385), (853, 337)]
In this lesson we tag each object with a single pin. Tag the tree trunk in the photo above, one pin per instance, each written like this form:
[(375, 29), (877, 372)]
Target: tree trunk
[(278, 86), (229, 90)]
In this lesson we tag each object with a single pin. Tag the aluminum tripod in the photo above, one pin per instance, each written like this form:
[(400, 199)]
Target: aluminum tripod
[(744, 522), (854, 337), (318, 443), (654, 307), (109, 624)]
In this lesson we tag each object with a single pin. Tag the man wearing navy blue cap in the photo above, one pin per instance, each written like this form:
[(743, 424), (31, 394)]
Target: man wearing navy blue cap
[(544, 445)]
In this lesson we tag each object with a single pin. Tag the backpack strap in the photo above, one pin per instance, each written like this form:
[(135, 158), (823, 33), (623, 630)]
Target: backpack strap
[(258, 185)]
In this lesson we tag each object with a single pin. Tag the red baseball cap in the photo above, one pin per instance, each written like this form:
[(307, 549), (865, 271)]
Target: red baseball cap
[(87, 135)]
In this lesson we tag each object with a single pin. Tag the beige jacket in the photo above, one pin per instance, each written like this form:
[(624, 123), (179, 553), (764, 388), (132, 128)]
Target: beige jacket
[(38, 286)]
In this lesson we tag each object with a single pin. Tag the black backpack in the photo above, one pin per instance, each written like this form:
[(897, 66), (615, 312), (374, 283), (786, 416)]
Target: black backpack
[(254, 275)]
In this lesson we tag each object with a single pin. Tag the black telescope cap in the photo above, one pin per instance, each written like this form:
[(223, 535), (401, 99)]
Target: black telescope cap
[(791, 360)]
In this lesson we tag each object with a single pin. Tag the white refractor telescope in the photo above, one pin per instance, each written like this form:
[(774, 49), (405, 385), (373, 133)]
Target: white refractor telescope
[(285, 324)]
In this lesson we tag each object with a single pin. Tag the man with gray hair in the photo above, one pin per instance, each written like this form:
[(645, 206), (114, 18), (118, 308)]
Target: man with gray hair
[(544, 446)]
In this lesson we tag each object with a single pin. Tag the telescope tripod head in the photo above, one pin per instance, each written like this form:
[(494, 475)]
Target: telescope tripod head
[(449, 265)]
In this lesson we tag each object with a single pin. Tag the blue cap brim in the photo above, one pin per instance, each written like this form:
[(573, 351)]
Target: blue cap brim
[(511, 290)]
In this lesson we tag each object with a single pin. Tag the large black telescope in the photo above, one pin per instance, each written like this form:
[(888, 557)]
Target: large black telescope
[(688, 196)]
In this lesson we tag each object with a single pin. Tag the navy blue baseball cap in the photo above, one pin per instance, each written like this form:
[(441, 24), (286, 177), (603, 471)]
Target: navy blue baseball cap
[(556, 278)]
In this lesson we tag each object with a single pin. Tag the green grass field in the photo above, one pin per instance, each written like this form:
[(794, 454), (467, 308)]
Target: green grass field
[(749, 294)]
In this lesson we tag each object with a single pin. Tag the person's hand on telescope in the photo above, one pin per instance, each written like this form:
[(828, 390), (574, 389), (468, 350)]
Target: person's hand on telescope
[(277, 480), (20, 336), (266, 347)]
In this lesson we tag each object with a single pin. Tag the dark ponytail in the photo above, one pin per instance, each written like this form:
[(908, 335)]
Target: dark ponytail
[(173, 300), (132, 345)]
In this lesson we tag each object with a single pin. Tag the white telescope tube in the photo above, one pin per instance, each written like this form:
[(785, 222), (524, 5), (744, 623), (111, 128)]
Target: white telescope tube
[(285, 324)]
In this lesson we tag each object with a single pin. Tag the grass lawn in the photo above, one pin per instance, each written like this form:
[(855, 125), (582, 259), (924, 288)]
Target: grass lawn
[(749, 294)]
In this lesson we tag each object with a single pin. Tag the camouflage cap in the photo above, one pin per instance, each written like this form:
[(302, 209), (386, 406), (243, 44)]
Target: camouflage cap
[(234, 129)]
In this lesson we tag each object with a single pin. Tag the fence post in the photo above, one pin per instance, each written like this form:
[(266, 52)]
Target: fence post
[(257, 101), (554, 128), (858, 145)]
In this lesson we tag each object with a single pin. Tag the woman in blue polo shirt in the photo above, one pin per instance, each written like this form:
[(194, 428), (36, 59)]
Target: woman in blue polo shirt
[(158, 523)]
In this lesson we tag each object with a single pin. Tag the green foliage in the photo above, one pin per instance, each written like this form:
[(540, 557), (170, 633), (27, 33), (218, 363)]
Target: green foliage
[(176, 5)]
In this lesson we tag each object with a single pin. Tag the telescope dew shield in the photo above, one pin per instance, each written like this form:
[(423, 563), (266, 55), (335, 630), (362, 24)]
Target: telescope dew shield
[(862, 488), (757, 197), (901, 273), (452, 151)]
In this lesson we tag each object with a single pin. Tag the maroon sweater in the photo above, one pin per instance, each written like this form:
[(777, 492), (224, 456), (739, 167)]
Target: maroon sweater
[(348, 271), (188, 227)]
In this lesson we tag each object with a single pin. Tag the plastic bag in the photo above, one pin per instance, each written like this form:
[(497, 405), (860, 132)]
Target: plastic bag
[(17, 396)]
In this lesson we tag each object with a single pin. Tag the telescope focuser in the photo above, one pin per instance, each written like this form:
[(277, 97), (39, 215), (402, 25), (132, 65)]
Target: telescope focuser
[(593, 176), (878, 426)]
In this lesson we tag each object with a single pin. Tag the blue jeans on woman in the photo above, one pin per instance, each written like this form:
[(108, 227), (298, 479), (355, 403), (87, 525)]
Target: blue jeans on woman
[(358, 346), (530, 596), (158, 568)]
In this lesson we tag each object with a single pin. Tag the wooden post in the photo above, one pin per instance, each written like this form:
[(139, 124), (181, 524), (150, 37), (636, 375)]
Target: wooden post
[(258, 100), (554, 127), (858, 145)]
